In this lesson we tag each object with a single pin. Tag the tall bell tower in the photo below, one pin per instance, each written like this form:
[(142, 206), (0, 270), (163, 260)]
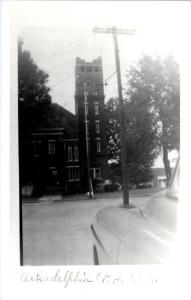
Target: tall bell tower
[(90, 111)]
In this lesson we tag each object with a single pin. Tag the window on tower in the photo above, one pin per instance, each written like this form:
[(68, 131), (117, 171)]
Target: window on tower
[(98, 144), (82, 69), (91, 87), (70, 154), (89, 69), (97, 69), (97, 127), (96, 108), (76, 154)]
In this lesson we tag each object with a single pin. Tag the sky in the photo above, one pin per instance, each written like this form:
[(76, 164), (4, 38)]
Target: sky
[(57, 32)]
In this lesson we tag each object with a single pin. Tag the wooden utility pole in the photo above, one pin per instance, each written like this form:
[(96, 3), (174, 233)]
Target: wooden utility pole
[(114, 31)]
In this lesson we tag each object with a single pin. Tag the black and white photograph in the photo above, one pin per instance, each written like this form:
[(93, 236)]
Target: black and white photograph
[(99, 133), (96, 118)]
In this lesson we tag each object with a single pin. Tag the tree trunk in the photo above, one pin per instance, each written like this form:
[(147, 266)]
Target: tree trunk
[(166, 164)]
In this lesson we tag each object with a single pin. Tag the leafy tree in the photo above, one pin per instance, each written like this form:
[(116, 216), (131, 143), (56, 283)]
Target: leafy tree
[(34, 99), (112, 128), (154, 81), (141, 139), (152, 112), (33, 104)]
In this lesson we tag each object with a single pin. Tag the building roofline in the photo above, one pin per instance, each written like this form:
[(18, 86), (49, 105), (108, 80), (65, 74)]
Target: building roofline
[(51, 129), (97, 60), (72, 140)]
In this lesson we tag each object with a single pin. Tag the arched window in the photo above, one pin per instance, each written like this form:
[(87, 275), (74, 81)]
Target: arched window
[(91, 87)]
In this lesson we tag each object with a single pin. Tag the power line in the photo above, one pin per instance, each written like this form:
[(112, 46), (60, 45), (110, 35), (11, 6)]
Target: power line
[(109, 77)]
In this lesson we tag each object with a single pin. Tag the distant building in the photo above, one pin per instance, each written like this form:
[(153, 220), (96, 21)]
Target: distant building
[(56, 153), (159, 176), (55, 161), (90, 112)]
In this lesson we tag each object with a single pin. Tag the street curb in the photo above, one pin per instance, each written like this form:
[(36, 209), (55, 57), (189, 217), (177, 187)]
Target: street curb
[(62, 199), (119, 197)]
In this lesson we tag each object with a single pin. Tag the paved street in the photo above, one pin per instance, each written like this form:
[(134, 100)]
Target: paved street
[(58, 232)]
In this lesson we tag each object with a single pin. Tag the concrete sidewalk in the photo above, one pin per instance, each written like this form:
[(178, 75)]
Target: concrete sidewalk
[(98, 196)]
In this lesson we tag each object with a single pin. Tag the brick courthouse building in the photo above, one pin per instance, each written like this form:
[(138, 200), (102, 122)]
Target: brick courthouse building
[(57, 152)]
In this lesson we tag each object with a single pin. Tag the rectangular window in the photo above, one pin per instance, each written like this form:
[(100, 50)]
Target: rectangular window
[(36, 147), (81, 68), (76, 156), (70, 154), (97, 126), (73, 173), (89, 69), (97, 69), (51, 148), (96, 109), (98, 145)]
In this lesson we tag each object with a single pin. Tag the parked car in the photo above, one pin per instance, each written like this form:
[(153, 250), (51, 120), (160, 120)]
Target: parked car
[(138, 235), (106, 186)]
